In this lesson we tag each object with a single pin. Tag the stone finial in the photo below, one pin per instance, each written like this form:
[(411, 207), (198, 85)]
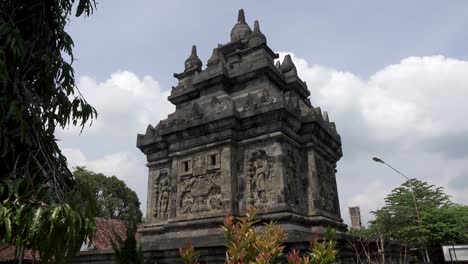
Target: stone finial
[(325, 116), (216, 57), (241, 29), (318, 111), (150, 131), (241, 16), (288, 64), (193, 62), (278, 65), (256, 38)]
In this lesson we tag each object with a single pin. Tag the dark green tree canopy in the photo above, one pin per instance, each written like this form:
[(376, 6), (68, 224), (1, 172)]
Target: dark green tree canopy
[(114, 200), (42, 207), (440, 221)]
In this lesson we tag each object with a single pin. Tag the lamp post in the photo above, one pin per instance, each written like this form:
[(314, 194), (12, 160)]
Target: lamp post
[(379, 160), (376, 159)]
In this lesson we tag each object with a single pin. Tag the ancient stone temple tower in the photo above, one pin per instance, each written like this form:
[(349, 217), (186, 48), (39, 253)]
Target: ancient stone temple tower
[(244, 133)]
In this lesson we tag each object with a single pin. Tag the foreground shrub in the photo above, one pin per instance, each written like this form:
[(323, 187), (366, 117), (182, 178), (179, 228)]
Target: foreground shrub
[(247, 243), (189, 255), (323, 252)]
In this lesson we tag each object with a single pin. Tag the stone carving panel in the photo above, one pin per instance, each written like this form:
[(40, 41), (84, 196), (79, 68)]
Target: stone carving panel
[(200, 190), (200, 193), (328, 200), (254, 101), (292, 178), (259, 178), (161, 194)]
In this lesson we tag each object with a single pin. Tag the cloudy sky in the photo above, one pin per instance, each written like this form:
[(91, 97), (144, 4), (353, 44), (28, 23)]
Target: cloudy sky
[(393, 75)]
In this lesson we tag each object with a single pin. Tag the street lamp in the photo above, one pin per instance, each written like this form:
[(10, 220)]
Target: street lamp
[(379, 160)]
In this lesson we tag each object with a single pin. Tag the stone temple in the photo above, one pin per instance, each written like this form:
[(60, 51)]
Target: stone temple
[(244, 133)]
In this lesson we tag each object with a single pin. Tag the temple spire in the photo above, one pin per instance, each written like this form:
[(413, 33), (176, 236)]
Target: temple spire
[(241, 16), (256, 26), (288, 64), (256, 38), (194, 51), (216, 57), (241, 29), (193, 62)]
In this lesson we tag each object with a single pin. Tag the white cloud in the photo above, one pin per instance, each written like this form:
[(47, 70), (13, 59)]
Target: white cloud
[(126, 104), (408, 112), (420, 96), (124, 165)]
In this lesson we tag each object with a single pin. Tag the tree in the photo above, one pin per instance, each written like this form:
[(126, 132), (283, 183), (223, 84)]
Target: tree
[(42, 207), (445, 225), (436, 221), (399, 220), (114, 200), (126, 250)]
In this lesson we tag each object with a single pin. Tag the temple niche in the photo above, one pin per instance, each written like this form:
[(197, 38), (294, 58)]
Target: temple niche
[(244, 133)]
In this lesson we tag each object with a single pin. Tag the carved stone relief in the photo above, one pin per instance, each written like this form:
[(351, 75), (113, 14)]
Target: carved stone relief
[(200, 193), (161, 194), (292, 178), (259, 176), (327, 187), (254, 101), (200, 190)]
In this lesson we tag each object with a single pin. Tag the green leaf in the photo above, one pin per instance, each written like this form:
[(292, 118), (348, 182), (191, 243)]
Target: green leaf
[(18, 186), (7, 223), (36, 222), (81, 8)]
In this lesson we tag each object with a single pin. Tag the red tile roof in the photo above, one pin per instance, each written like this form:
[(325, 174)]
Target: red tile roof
[(106, 230), (8, 253)]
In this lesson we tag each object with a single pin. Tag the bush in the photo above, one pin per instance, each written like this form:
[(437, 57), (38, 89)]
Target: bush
[(247, 243)]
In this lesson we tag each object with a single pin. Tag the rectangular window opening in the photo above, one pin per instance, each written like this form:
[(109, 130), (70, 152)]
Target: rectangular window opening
[(213, 159)]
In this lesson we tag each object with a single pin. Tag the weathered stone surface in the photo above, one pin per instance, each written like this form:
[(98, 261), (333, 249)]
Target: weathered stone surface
[(244, 133)]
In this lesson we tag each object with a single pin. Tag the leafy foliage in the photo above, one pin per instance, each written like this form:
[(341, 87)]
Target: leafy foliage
[(42, 207), (321, 252), (247, 243), (398, 219), (189, 255), (114, 200), (437, 220), (126, 250), (445, 225)]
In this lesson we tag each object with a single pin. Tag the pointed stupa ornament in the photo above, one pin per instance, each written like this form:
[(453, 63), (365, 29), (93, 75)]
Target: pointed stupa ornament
[(241, 29), (216, 58), (325, 116), (193, 62), (256, 38), (288, 64), (278, 65)]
